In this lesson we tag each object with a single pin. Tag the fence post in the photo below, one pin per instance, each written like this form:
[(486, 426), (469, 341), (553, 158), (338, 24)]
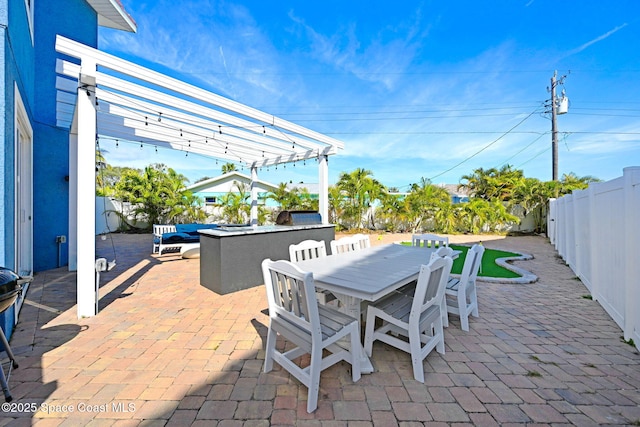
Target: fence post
[(631, 235), (593, 243), (552, 220)]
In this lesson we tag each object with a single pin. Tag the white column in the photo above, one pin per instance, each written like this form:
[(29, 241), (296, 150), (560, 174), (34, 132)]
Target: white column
[(86, 198), (73, 198), (254, 195), (323, 188)]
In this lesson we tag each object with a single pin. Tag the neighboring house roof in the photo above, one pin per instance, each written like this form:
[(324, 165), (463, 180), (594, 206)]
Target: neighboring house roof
[(111, 14), (452, 189), (227, 178), (312, 188)]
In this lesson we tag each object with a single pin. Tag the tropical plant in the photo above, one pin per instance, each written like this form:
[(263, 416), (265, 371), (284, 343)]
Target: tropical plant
[(360, 190), (423, 202), (158, 195), (235, 206), (229, 167), (492, 183)]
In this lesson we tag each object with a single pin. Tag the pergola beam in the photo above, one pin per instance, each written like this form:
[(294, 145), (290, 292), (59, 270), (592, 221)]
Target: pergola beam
[(146, 107)]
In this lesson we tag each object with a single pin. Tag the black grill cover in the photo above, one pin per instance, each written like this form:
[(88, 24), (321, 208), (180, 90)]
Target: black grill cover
[(9, 287)]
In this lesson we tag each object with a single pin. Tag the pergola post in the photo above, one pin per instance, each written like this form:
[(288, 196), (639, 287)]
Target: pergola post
[(254, 195), (85, 185), (323, 188)]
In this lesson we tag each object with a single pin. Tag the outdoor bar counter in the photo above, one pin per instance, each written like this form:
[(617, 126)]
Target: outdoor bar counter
[(231, 256)]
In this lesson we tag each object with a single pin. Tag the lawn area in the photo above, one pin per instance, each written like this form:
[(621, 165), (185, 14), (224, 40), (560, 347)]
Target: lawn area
[(489, 267)]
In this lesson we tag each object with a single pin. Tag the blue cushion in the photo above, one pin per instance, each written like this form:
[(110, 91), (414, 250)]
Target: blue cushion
[(193, 228), (169, 238)]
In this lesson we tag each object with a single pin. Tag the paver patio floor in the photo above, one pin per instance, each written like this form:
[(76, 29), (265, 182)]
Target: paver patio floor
[(164, 350)]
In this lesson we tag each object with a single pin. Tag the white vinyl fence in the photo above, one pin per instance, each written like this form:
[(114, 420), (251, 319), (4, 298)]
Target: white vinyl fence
[(597, 233)]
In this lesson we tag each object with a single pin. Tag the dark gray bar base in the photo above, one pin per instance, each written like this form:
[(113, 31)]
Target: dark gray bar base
[(230, 259)]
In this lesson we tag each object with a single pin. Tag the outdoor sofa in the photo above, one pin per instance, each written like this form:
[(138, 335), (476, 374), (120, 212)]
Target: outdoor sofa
[(171, 238)]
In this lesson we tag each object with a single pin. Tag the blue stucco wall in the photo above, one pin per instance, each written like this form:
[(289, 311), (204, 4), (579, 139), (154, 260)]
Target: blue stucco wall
[(77, 21), (17, 58)]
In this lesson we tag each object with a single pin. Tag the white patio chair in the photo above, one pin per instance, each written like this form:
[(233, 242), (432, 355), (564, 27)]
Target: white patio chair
[(363, 241), (417, 317), (444, 251), (429, 240), (294, 314), (307, 249), (461, 295), (344, 244), (310, 249)]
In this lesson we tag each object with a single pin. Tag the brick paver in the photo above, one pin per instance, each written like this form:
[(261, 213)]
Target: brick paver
[(166, 351)]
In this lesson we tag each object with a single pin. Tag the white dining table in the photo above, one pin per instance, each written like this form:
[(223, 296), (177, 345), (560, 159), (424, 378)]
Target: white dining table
[(367, 275)]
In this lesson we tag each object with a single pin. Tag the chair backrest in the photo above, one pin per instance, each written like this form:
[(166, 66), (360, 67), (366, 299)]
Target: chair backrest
[(291, 295), (307, 249), (344, 244), (363, 240), (160, 229), (471, 266), (443, 252), (429, 240), (430, 287)]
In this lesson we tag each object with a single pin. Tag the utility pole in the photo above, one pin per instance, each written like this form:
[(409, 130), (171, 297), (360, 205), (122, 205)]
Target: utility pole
[(558, 106), (554, 130)]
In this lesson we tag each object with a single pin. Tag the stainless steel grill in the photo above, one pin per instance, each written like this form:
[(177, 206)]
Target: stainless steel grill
[(299, 218)]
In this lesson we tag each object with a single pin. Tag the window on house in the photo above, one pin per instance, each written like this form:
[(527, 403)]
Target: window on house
[(209, 200)]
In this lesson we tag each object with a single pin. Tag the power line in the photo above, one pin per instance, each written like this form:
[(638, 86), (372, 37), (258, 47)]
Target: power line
[(486, 146)]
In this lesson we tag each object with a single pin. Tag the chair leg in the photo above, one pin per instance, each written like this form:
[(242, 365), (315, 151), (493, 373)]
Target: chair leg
[(445, 313), (473, 297), (416, 355), (314, 379), (269, 349), (439, 334), (464, 315)]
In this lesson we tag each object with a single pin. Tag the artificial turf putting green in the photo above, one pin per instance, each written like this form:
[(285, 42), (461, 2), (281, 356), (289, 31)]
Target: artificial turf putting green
[(489, 267)]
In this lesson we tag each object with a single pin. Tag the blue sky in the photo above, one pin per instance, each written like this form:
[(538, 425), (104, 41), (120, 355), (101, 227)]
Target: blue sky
[(414, 89)]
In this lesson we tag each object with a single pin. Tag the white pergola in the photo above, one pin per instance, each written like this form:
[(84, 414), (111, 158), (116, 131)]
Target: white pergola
[(101, 95)]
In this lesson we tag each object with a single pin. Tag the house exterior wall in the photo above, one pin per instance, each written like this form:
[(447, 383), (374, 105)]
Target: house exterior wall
[(17, 61), (76, 20), (17, 71)]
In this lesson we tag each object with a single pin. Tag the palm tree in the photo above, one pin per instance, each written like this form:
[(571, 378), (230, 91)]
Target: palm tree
[(281, 196), (423, 201), (474, 214), (361, 190), (229, 167), (235, 206), (492, 183)]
